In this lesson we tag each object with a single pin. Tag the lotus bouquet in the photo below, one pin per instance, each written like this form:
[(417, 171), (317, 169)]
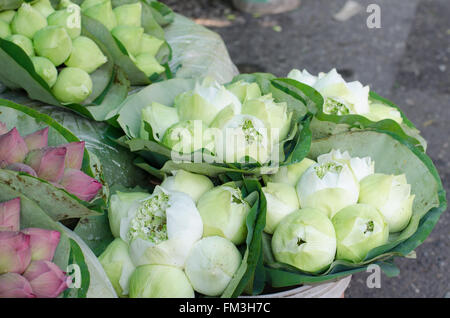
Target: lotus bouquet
[(181, 238), (58, 165), (26, 268)]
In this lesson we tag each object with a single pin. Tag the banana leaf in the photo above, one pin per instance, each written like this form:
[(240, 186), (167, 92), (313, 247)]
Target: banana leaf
[(110, 86), (292, 149), (323, 125), (392, 155), (56, 202), (153, 13)]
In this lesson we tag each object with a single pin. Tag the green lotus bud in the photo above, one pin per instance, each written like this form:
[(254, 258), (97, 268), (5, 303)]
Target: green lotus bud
[(86, 55), (290, 174), (359, 228), (7, 16), (69, 18), (101, 12), (274, 115), (211, 265), (162, 228), (243, 139), (44, 7), (27, 21), (73, 85), (118, 266), (45, 69), (195, 185), (187, 136), (205, 101), (119, 204), (150, 44), (54, 43), (379, 112), (160, 118), (391, 195), (224, 213), (305, 239), (130, 37), (281, 201), (244, 90), (160, 281), (129, 14), (5, 30), (148, 64), (328, 186), (21, 40)]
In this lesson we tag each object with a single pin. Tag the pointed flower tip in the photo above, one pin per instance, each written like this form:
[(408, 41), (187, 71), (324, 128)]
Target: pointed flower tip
[(38, 139), (80, 184), (10, 215), (43, 243), (48, 162), (3, 128), (12, 147), (75, 154)]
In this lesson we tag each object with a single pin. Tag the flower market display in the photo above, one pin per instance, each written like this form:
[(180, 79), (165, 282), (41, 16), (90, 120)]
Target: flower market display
[(136, 163)]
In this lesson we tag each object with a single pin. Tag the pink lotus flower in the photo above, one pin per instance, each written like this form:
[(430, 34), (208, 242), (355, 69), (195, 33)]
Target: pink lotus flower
[(15, 252), (48, 162), (13, 285), (75, 154), (21, 167), (80, 184), (43, 243), (12, 148), (3, 128), (37, 139), (46, 279), (10, 215)]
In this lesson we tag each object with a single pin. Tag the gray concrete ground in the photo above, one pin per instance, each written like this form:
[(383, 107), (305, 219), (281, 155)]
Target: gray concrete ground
[(406, 60)]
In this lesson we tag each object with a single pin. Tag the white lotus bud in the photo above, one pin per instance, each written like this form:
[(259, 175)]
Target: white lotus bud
[(359, 228), (244, 90), (224, 213), (329, 187), (68, 18), (391, 195), (290, 174), (162, 228), (54, 43), (148, 64), (361, 167), (195, 185), (129, 14), (150, 44), (306, 240), (5, 30), (118, 266), (44, 7), (211, 265), (86, 55), (130, 37), (100, 10), (7, 16), (281, 201), (205, 101), (160, 281)]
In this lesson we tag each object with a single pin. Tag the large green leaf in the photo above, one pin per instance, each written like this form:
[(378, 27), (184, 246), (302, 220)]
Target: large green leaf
[(110, 86), (392, 155), (324, 125), (293, 149)]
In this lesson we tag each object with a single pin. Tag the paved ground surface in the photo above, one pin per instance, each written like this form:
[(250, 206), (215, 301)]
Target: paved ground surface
[(406, 60)]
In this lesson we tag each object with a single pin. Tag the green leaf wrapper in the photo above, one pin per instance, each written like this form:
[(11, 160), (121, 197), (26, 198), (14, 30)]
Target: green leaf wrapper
[(392, 155)]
